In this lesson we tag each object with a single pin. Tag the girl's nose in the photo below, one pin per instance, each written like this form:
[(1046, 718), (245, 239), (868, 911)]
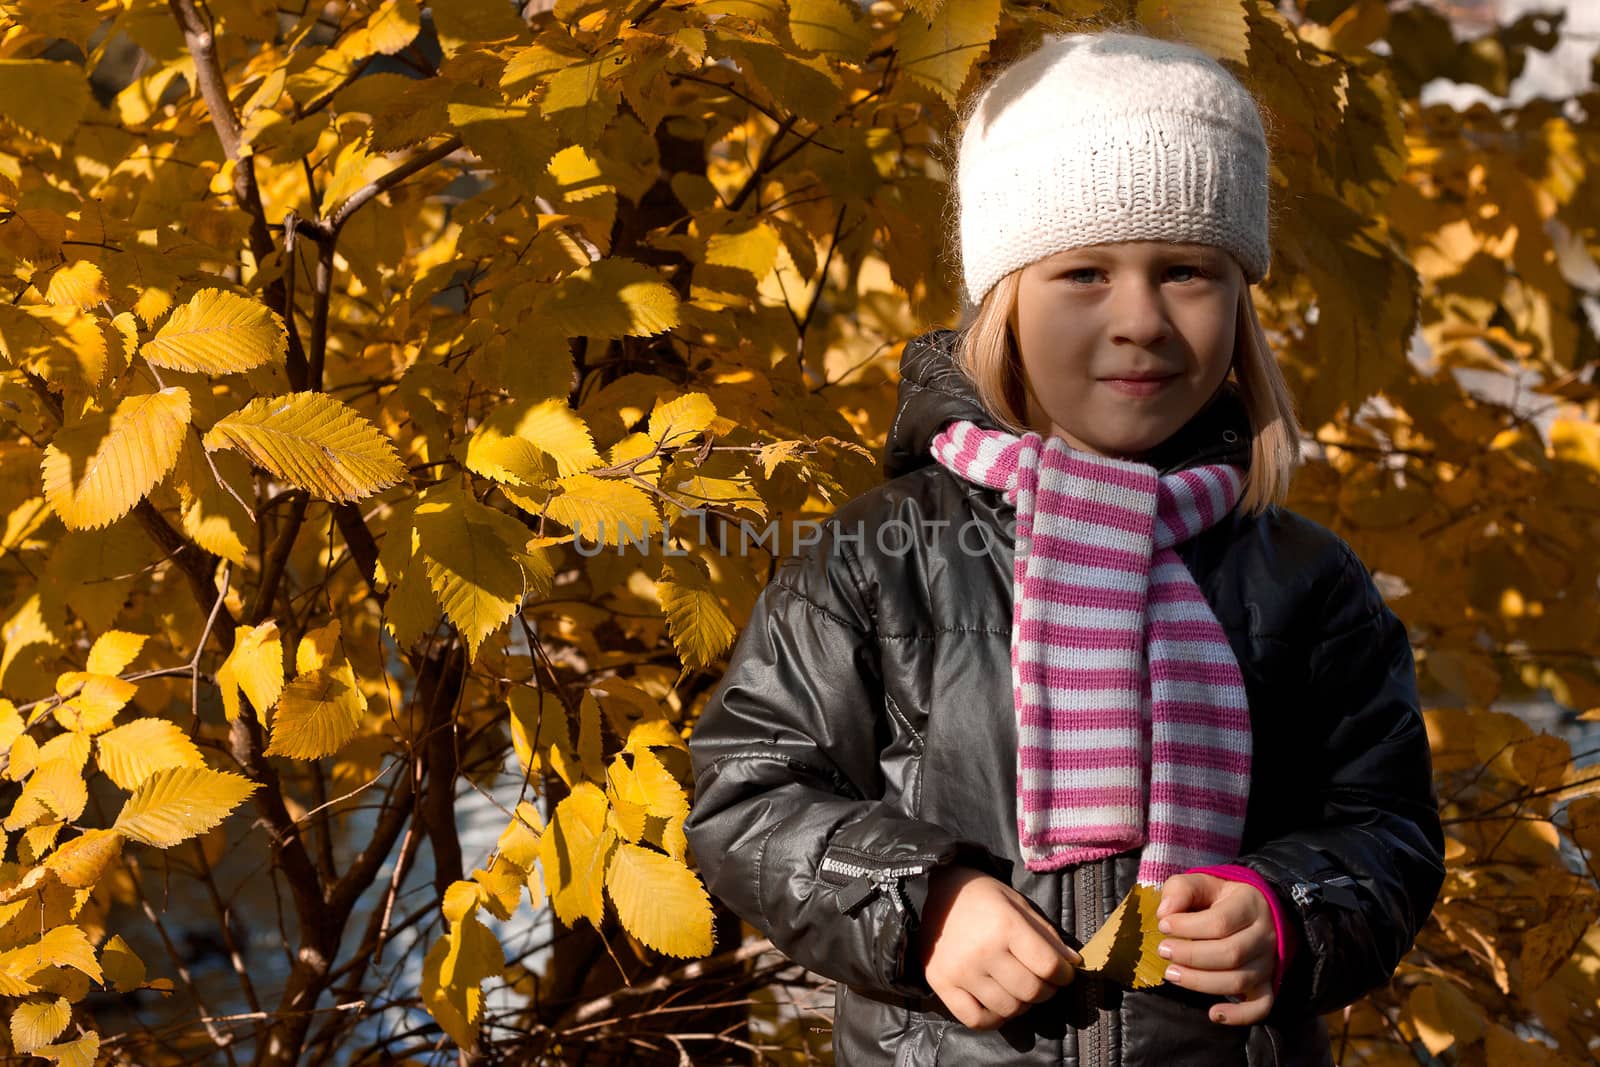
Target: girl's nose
[(1138, 316)]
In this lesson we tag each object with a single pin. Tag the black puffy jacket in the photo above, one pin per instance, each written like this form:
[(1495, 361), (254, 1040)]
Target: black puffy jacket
[(864, 734)]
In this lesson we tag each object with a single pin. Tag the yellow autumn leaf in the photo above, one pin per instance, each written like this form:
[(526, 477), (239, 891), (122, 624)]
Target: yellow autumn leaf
[(312, 441), (654, 733), (11, 725), (552, 427), (753, 250), (512, 460), (501, 887), (1123, 950), (79, 285), (61, 344), (939, 52), (81, 1052), (474, 555), (55, 790), (700, 628), (177, 803), (569, 852), (394, 25), (609, 298), (604, 510), (672, 422), (660, 901), (590, 742), (658, 790), (95, 470), (63, 946), (212, 488), (113, 650), (81, 862), (131, 753), (218, 332), (830, 27), (254, 666), (39, 1022), (43, 97), (540, 733), (457, 965), (1576, 441), (124, 969), (317, 714), (1443, 1015), (519, 841), (93, 700)]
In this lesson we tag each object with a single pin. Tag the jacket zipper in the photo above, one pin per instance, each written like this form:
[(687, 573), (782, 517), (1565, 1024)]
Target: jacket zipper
[(867, 881), (1095, 1048)]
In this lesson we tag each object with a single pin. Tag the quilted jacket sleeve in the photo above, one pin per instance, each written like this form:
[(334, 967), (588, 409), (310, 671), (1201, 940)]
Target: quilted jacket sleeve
[(788, 824), (1362, 878)]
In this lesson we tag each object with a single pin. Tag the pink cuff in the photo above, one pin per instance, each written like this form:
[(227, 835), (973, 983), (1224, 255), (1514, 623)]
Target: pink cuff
[(1286, 934)]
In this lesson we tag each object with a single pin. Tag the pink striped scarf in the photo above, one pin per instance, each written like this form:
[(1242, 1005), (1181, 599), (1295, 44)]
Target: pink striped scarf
[(1098, 588)]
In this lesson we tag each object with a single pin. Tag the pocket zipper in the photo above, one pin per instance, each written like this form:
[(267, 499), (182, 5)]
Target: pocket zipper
[(866, 881)]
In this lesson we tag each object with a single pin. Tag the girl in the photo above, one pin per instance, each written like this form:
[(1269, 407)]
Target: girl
[(1208, 694)]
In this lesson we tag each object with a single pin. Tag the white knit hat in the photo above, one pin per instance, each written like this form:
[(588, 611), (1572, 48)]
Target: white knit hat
[(1102, 137)]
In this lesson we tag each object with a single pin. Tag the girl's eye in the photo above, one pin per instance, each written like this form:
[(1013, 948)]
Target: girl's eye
[(1076, 275)]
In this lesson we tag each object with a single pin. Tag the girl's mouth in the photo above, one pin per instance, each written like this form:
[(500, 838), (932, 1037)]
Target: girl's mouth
[(1139, 387)]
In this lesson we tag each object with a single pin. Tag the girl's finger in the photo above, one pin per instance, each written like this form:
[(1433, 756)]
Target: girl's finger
[(1245, 1012), (1227, 916), (1246, 948), (994, 997), (1233, 983)]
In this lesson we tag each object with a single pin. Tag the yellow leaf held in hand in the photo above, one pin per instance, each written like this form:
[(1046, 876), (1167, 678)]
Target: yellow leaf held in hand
[(312, 441), (1123, 950), (97, 469), (178, 803), (218, 332)]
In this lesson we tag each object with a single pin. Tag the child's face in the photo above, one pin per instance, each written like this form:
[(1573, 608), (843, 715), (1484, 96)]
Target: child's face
[(1088, 316)]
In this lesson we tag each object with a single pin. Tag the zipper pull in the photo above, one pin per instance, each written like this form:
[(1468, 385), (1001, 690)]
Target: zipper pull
[(858, 892)]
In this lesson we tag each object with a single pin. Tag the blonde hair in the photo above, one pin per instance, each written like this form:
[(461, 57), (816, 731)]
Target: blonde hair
[(987, 353)]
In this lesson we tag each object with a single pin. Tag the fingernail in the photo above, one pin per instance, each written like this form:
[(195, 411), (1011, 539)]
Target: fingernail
[(1218, 1017), (1164, 950), (1174, 975), (1164, 926)]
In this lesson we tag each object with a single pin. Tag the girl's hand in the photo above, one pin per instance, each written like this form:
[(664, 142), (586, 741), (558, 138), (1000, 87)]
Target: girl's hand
[(985, 951), (1222, 942)]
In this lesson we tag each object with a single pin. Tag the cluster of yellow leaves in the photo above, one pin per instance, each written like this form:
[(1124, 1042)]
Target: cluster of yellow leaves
[(47, 958)]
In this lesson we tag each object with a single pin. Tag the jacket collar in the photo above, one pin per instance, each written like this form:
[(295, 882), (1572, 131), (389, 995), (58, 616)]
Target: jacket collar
[(934, 390)]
